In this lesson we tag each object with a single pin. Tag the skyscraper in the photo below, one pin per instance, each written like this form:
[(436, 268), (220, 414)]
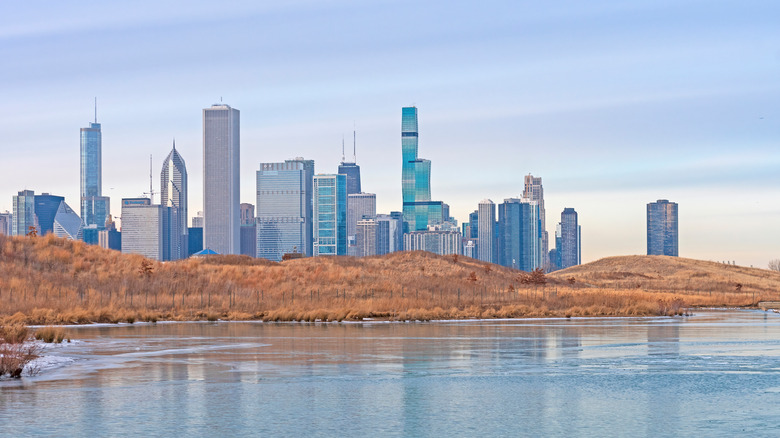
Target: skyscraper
[(487, 223), (330, 215), (46, 206), (248, 230), (142, 228), (366, 237), (24, 213), (284, 208), (662, 228), (350, 168), (95, 208), (534, 191), (519, 242), (66, 223), (6, 220), (389, 233), (221, 158), (570, 239), (359, 206), (418, 209), (173, 195)]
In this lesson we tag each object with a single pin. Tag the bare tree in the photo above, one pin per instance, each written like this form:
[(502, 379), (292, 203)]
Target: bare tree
[(774, 265)]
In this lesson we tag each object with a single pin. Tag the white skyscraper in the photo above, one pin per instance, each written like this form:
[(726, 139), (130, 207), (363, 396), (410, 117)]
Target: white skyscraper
[(221, 149), (487, 223), (173, 194), (142, 228)]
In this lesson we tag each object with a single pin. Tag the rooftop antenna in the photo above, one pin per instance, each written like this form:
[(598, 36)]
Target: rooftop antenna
[(95, 109), (151, 190), (354, 143), (343, 159), (174, 143)]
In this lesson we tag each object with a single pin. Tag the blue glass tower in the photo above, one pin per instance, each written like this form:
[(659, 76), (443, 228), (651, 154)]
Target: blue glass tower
[(94, 206), (418, 209), (330, 215)]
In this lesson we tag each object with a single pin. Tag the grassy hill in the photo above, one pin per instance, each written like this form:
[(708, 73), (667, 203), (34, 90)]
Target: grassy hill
[(46, 280)]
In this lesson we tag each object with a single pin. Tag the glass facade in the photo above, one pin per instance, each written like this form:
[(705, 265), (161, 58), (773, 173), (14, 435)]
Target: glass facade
[(46, 207), (662, 231), (330, 215), (487, 219), (23, 213), (284, 208), (519, 231), (418, 209), (95, 208), (570, 239), (221, 150), (352, 171), (173, 195)]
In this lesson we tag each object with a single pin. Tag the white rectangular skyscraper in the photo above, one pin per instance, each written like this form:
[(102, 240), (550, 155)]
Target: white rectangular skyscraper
[(221, 150)]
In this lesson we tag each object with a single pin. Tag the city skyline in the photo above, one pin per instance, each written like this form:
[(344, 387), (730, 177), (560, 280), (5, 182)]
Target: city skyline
[(613, 105)]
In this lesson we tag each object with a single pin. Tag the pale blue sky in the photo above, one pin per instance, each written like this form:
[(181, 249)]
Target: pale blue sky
[(614, 104)]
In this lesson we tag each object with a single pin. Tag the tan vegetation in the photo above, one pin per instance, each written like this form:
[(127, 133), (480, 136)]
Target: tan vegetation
[(50, 334), (15, 351), (50, 281)]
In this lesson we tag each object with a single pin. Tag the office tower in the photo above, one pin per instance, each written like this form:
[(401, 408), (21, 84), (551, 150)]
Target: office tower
[(194, 240), (570, 239), (487, 221), (6, 220), (662, 228), (46, 207), (24, 213), (350, 169), (221, 149), (474, 224), (66, 223), (142, 228), (247, 213), (519, 234), (330, 215), (359, 206), (534, 191), (284, 208), (197, 220), (110, 238), (173, 199), (366, 238), (95, 207), (441, 241), (389, 233), (418, 209)]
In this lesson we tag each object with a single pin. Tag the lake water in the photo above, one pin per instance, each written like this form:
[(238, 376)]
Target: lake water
[(716, 373)]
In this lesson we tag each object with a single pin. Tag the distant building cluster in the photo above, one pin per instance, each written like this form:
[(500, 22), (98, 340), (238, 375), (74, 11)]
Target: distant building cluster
[(302, 213)]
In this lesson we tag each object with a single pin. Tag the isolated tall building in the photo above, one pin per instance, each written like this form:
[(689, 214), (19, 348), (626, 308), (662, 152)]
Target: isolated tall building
[(662, 228), (173, 195), (95, 208), (221, 158), (284, 208), (418, 209), (570, 252), (487, 222), (330, 215)]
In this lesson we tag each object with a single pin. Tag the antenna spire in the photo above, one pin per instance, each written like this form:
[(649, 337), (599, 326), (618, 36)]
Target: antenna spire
[(343, 159), (95, 109), (174, 143), (151, 191), (354, 143)]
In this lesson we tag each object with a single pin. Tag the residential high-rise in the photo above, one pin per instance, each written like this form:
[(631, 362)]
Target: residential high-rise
[(418, 209), (221, 158), (142, 228), (66, 223), (436, 240), (487, 223), (534, 191), (284, 208), (359, 206), (46, 207), (95, 208), (519, 242), (330, 215), (6, 220), (366, 237), (389, 233), (570, 239), (173, 195), (24, 213), (662, 228)]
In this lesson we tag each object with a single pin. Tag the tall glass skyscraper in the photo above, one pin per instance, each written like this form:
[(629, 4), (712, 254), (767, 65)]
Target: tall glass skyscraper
[(221, 149), (418, 209), (534, 191), (486, 250), (173, 194), (95, 208), (519, 242), (330, 215), (284, 208), (662, 228), (24, 213), (570, 251)]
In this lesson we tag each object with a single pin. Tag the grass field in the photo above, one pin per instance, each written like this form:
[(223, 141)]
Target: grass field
[(46, 280)]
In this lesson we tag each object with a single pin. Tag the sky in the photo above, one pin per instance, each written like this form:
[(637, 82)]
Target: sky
[(614, 104)]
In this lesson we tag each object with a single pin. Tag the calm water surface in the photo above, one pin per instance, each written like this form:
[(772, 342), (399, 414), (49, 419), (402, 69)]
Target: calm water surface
[(716, 373)]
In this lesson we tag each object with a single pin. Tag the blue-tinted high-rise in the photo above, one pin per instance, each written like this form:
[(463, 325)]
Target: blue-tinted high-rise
[(46, 206), (330, 215), (662, 228), (95, 207), (173, 192), (570, 252), (418, 209)]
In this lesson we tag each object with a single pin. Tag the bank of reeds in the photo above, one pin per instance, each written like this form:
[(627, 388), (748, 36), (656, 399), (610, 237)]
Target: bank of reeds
[(15, 350), (51, 281)]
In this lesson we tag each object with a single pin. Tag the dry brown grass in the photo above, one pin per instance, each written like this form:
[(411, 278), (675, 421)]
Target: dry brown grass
[(50, 281), (50, 334)]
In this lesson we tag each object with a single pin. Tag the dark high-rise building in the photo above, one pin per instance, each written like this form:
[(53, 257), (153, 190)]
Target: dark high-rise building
[(570, 252), (46, 207), (194, 240), (419, 211), (95, 208), (474, 225), (662, 228), (173, 197), (519, 240), (350, 168), (221, 160)]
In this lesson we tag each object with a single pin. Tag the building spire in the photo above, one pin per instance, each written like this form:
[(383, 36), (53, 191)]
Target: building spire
[(95, 109), (174, 143), (343, 158), (354, 143)]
